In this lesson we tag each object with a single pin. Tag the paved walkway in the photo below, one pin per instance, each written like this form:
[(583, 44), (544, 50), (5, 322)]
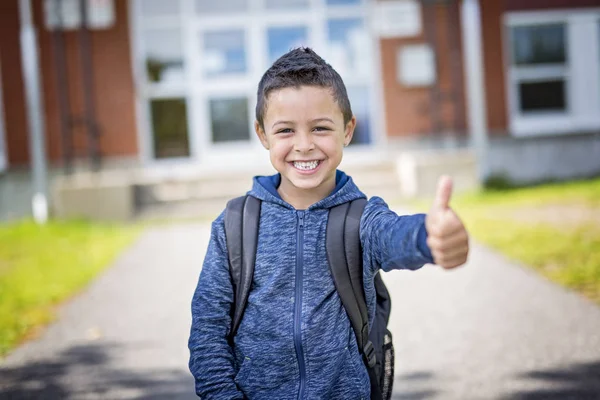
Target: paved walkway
[(491, 330)]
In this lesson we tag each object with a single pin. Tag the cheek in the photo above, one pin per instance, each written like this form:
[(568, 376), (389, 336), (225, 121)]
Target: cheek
[(331, 146), (279, 150)]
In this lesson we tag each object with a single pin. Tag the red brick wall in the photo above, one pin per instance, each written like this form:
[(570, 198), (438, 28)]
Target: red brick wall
[(12, 83), (493, 64), (408, 109), (491, 15), (519, 5), (113, 81)]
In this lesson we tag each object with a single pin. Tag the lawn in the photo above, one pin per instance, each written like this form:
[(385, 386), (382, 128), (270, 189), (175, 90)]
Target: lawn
[(40, 266), (553, 228)]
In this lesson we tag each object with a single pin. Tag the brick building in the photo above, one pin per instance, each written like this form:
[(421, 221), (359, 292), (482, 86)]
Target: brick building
[(174, 81)]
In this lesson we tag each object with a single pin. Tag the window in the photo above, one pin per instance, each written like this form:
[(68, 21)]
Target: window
[(286, 4), (283, 39), (348, 41), (539, 44), (160, 8), (342, 2), (220, 6), (200, 62), (553, 77), (229, 119), (542, 96), (540, 67), (170, 128), (163, 55), (224, 52), (359, 100)]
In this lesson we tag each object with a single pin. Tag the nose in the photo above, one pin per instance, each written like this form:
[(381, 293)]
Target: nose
[(303, 142)]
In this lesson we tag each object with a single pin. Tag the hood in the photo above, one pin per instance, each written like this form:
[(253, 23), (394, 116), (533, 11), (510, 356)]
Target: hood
[(265, 188)]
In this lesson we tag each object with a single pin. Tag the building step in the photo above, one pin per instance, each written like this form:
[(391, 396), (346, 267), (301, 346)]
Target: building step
[(206, 196), (231, 184), (209, 209), (206, 209), (191, 192)]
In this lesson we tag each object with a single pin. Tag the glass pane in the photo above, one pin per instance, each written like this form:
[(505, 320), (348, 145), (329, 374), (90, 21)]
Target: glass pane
[(159, 8), (224, 52), (229, 119), (282, 40), (359, 100), (170, 128), (286, 4), (342, 2), (539, 44), (543, 96), (348, 40), (221, 6), (164, 55)]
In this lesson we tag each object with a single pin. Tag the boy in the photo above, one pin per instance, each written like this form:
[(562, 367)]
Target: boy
[(295, 340)]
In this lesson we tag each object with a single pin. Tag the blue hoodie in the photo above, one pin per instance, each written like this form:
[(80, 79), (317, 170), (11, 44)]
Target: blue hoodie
[(295, 340)]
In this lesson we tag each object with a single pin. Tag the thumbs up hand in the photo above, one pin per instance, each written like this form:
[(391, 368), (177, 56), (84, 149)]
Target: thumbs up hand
[(447, 237)]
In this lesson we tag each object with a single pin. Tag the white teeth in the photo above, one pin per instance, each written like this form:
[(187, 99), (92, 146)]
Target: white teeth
[(306, 165)]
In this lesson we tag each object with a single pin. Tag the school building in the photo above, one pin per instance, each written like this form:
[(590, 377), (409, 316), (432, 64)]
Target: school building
[(157, 83)]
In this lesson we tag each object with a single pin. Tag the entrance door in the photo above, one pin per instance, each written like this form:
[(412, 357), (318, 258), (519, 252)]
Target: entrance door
[(199, 63)]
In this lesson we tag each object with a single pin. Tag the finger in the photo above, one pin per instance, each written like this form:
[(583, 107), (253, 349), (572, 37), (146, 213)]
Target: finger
[(446, 227), (453, 264), (458, 239), (452, 261), (443, 193), (456, 253)]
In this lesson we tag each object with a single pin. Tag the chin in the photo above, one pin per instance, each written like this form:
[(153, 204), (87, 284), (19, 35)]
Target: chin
[(307, 184)]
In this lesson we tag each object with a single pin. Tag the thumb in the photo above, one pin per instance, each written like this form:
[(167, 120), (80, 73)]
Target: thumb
[(443, 193)]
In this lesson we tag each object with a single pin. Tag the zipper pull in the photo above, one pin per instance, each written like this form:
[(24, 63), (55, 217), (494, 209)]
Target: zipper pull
[(301, 219)]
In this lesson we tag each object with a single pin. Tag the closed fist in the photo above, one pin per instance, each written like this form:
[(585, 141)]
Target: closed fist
[(447, 239)]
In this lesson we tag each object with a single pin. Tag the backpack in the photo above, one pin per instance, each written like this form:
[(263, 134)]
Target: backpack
[(344, 254)]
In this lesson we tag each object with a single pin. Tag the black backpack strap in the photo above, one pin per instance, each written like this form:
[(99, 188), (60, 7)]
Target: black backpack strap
[(344, 253), (242, 216), (345, 260)]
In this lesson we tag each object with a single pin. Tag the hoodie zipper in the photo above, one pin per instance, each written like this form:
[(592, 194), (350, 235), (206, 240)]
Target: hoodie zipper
[(298, 303)]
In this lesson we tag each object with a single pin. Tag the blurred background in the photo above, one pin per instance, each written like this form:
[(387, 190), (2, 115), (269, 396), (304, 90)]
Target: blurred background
[(125, 126)]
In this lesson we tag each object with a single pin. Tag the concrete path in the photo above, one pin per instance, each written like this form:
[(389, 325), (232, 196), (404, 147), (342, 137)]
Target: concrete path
[(491, 330)]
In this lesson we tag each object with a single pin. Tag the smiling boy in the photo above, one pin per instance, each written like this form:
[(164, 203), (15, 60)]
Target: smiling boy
[(295, 340)]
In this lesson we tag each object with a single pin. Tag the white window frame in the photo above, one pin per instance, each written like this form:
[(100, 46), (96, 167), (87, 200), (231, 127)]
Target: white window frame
[(197, 90), (146, 91), (581, 73)]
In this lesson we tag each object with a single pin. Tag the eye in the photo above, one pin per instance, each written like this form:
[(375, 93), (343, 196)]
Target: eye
[(284, 130), (321, 129)]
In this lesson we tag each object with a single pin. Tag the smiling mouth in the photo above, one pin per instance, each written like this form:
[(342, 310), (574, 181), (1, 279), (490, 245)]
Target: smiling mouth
[(306, 165)]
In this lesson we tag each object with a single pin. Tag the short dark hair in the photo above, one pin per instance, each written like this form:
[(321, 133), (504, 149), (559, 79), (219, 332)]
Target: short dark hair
[(301, 67)]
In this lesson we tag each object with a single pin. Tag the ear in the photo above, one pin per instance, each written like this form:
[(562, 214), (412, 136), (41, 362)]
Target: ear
[(349, 131), (262, 136)]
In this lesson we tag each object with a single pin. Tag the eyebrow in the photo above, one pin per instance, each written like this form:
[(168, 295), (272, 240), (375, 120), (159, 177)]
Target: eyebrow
[(281, 123), (324, 119)]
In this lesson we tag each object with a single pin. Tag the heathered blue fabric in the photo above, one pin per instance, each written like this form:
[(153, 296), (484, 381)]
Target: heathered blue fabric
[(262, 362)]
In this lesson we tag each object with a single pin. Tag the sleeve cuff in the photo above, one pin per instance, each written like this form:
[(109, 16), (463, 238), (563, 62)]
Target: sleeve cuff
[(422, 243)]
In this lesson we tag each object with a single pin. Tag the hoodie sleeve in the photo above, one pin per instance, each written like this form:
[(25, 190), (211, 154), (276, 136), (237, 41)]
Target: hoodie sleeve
[(391, 241), (211, 356)]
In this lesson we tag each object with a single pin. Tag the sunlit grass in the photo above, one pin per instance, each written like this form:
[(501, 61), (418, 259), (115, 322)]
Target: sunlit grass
[(40, 266), (534, 226)]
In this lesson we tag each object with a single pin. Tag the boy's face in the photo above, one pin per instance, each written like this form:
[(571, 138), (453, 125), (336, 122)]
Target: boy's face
[(305, 134)]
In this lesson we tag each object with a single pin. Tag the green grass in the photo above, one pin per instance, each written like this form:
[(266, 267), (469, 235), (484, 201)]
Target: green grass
[(564, 248), (577, 192), (40, 266)]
